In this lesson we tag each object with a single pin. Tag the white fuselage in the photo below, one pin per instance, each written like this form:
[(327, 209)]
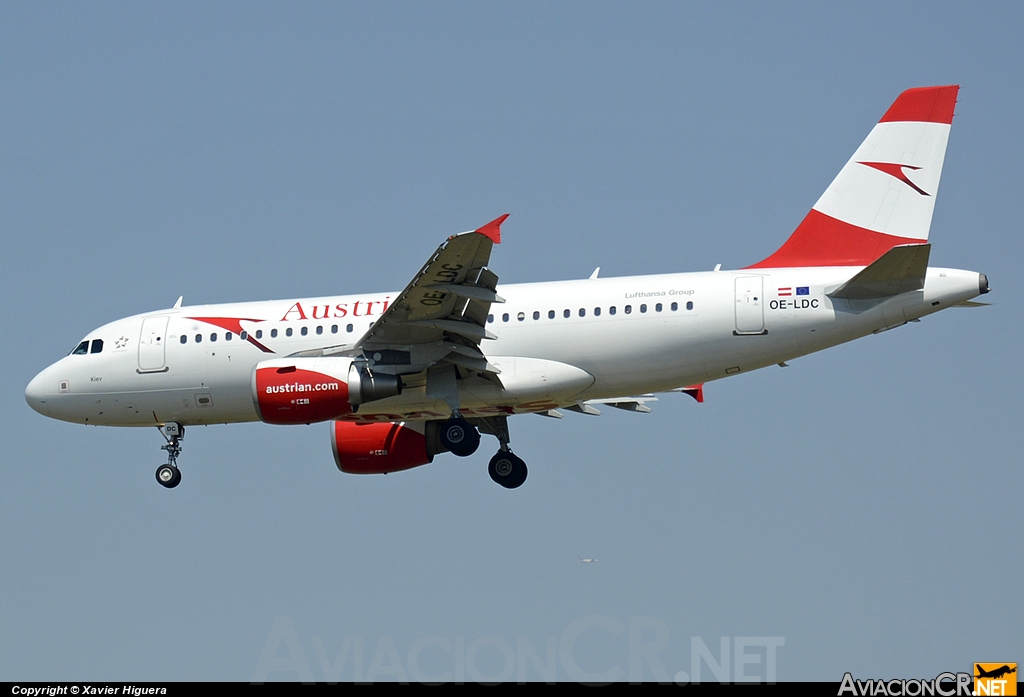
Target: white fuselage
[(557, 343)]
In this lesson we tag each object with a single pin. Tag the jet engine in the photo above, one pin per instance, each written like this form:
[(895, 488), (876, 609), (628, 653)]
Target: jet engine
[(382, 447), (307, 390)]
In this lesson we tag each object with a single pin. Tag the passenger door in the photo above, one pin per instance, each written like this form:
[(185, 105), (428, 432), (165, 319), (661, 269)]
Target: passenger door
[(152, 355)]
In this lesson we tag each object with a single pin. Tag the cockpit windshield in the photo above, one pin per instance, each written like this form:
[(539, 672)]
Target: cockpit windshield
[(83, 348)]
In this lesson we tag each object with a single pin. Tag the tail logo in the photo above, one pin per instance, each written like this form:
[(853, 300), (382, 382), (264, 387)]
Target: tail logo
[(896, 170)]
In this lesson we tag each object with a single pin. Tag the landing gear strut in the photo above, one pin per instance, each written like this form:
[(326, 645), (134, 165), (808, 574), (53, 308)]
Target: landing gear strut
[(169, 475), (459, 436)]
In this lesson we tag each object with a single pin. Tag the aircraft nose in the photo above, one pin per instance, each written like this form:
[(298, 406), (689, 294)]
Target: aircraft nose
[(35, 394)]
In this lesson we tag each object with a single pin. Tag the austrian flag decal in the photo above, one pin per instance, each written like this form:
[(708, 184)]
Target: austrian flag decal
[(788, 291)]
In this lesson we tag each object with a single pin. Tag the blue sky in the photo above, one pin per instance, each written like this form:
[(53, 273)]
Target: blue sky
[(857, 504)]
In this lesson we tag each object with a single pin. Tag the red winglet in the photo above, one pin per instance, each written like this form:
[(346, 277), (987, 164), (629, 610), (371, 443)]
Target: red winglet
[(930, 104), (492, 230), (695, 391)]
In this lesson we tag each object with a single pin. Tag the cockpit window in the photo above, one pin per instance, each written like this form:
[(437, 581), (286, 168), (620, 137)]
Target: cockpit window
[(81, 349), (97, 346)]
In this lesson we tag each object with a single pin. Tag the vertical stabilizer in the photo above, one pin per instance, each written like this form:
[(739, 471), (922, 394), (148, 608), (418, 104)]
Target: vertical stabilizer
[(885, 195)]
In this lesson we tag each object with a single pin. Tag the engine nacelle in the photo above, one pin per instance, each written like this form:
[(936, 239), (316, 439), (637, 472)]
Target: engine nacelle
[(301, 390), (380, 447), (307, 390)]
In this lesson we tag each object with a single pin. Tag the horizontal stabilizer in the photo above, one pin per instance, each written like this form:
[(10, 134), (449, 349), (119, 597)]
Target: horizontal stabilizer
[(900, 270)]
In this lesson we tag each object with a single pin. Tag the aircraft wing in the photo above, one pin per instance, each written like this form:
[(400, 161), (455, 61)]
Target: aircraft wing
[(441, 316)]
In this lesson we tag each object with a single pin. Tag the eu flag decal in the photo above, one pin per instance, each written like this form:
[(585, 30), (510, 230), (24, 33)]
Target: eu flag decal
[(803, 290)]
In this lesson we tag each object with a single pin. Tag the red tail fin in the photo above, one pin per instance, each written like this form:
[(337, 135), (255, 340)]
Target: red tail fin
[(885, 195)]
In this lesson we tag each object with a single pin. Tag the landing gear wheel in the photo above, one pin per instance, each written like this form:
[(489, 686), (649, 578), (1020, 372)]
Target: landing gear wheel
[(168, 476), (459, 436), (507, 469)]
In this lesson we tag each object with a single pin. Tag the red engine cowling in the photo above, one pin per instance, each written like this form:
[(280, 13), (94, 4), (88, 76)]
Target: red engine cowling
[(301, 391), (379, 448)]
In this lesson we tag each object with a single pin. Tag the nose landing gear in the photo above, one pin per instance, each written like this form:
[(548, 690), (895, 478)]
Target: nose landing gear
[(169, 475)]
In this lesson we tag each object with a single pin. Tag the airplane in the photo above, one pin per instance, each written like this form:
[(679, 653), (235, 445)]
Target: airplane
[(995, 673), (404, 376)]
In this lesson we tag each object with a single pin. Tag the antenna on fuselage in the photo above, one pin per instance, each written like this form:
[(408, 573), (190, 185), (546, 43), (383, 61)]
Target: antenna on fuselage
[(177, 305), (596, 271)]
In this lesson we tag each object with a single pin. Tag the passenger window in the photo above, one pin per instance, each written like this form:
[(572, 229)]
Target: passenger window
[(675, 306), (551, 314), (288, 331), (259, 333), (349, 329), (536, 315), (628, 309), (643, 308), (273, 333), (184, 339), (657, 308), (597, 312), (228, 336), (490, 319), (583, 313), (213, 337), (521, 316), (566, 313), (81, 349), (689, 304), (504, 317), (334, 329), (199, 338), (305, 331), (97, 346), (319, 330), (611, 310), (244, 335)]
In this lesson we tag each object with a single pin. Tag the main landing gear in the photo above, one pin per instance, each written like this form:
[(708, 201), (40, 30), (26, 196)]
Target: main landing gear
[(507, 469), (462, 438), (169, 475), (459, 436)]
